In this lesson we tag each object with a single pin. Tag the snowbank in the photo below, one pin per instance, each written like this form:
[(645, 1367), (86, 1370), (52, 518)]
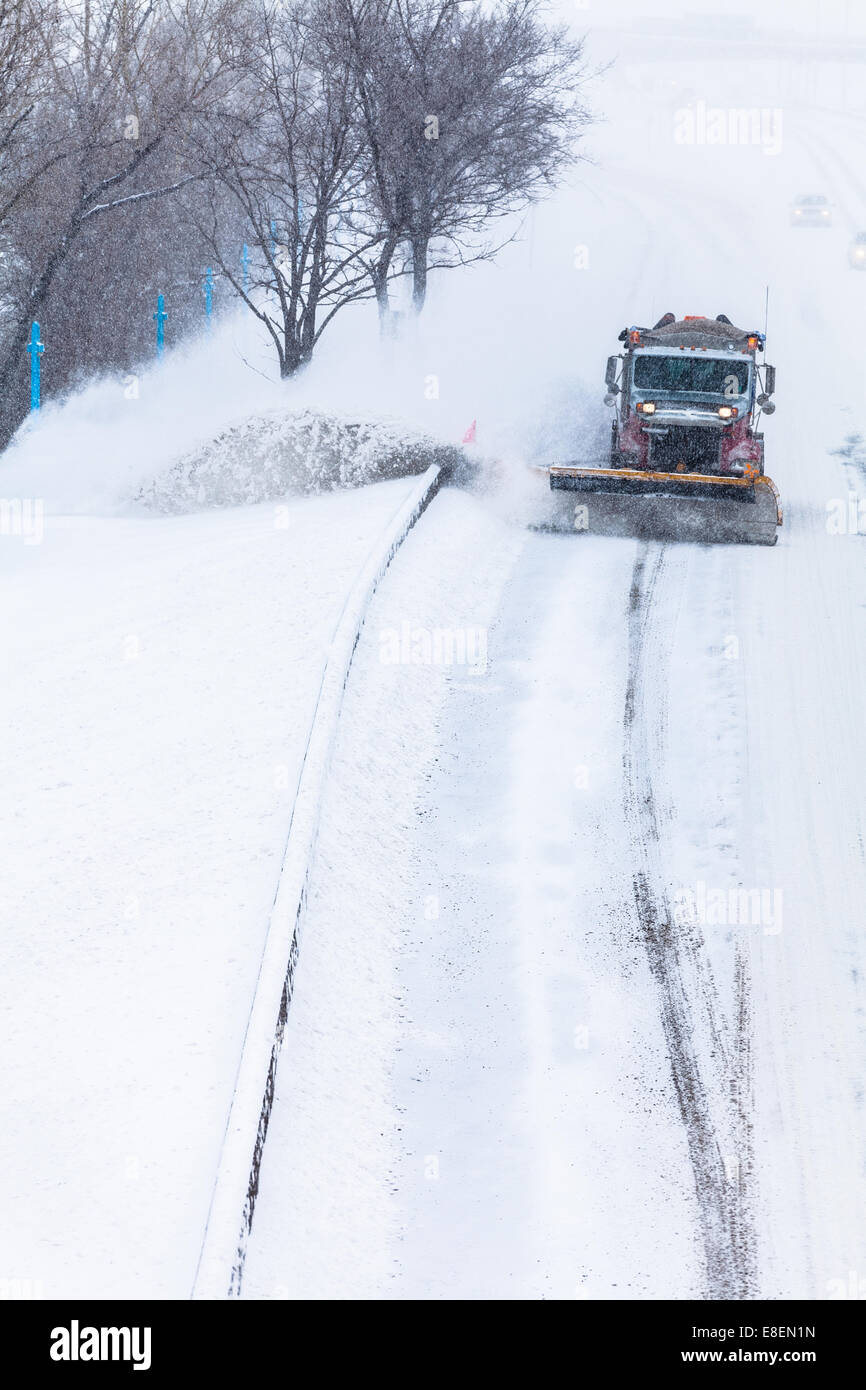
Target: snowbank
[(161, 676), (304, 451)]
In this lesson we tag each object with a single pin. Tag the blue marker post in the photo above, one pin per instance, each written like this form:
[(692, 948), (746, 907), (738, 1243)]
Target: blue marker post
[(245, 267), (208, 294), (36, 348), (160, 316)]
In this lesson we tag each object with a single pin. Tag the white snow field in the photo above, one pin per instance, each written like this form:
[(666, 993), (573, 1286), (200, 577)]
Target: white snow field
[(539, 1048), (580, 1007), (160, 677)]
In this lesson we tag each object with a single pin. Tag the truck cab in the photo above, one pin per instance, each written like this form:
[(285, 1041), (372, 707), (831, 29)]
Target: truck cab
[(687, 394)]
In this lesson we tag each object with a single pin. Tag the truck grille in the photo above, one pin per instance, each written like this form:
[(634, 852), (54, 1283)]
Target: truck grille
[(683, 450)]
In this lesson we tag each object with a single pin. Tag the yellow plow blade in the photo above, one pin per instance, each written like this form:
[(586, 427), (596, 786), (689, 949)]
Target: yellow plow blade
[(689, 506)]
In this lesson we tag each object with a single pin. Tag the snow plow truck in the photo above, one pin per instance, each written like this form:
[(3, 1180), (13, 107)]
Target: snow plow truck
[(686, 456)]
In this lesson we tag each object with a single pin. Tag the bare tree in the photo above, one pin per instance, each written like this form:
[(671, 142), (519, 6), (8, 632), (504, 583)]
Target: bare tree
[(24, 73), (346, 142), (119, 84), (25, 37), (469, 114), (363, 37), (291, 156)]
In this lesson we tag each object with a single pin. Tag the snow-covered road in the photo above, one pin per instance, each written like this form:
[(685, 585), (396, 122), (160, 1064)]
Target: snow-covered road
[(595, 1024), (580, 1010)]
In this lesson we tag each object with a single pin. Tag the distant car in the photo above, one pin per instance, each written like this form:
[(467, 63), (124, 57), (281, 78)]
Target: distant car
[(857, 252), (812, 210)]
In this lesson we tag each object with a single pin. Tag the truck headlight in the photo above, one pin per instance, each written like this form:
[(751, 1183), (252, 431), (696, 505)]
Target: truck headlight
[(727, 412), (646, 407)]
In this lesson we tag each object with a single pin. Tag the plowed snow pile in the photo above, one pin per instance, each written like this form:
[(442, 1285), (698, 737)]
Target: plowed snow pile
[(304, 451)]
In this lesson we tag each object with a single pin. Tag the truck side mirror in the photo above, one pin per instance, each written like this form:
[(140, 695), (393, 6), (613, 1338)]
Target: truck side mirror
[(610, 376), (770, 379)]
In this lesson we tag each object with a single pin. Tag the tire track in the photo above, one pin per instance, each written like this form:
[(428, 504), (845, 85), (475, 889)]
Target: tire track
[(711, 1075)]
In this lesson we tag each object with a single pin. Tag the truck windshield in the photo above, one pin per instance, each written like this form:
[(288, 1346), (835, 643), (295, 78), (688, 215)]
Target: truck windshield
[(707, 376)]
